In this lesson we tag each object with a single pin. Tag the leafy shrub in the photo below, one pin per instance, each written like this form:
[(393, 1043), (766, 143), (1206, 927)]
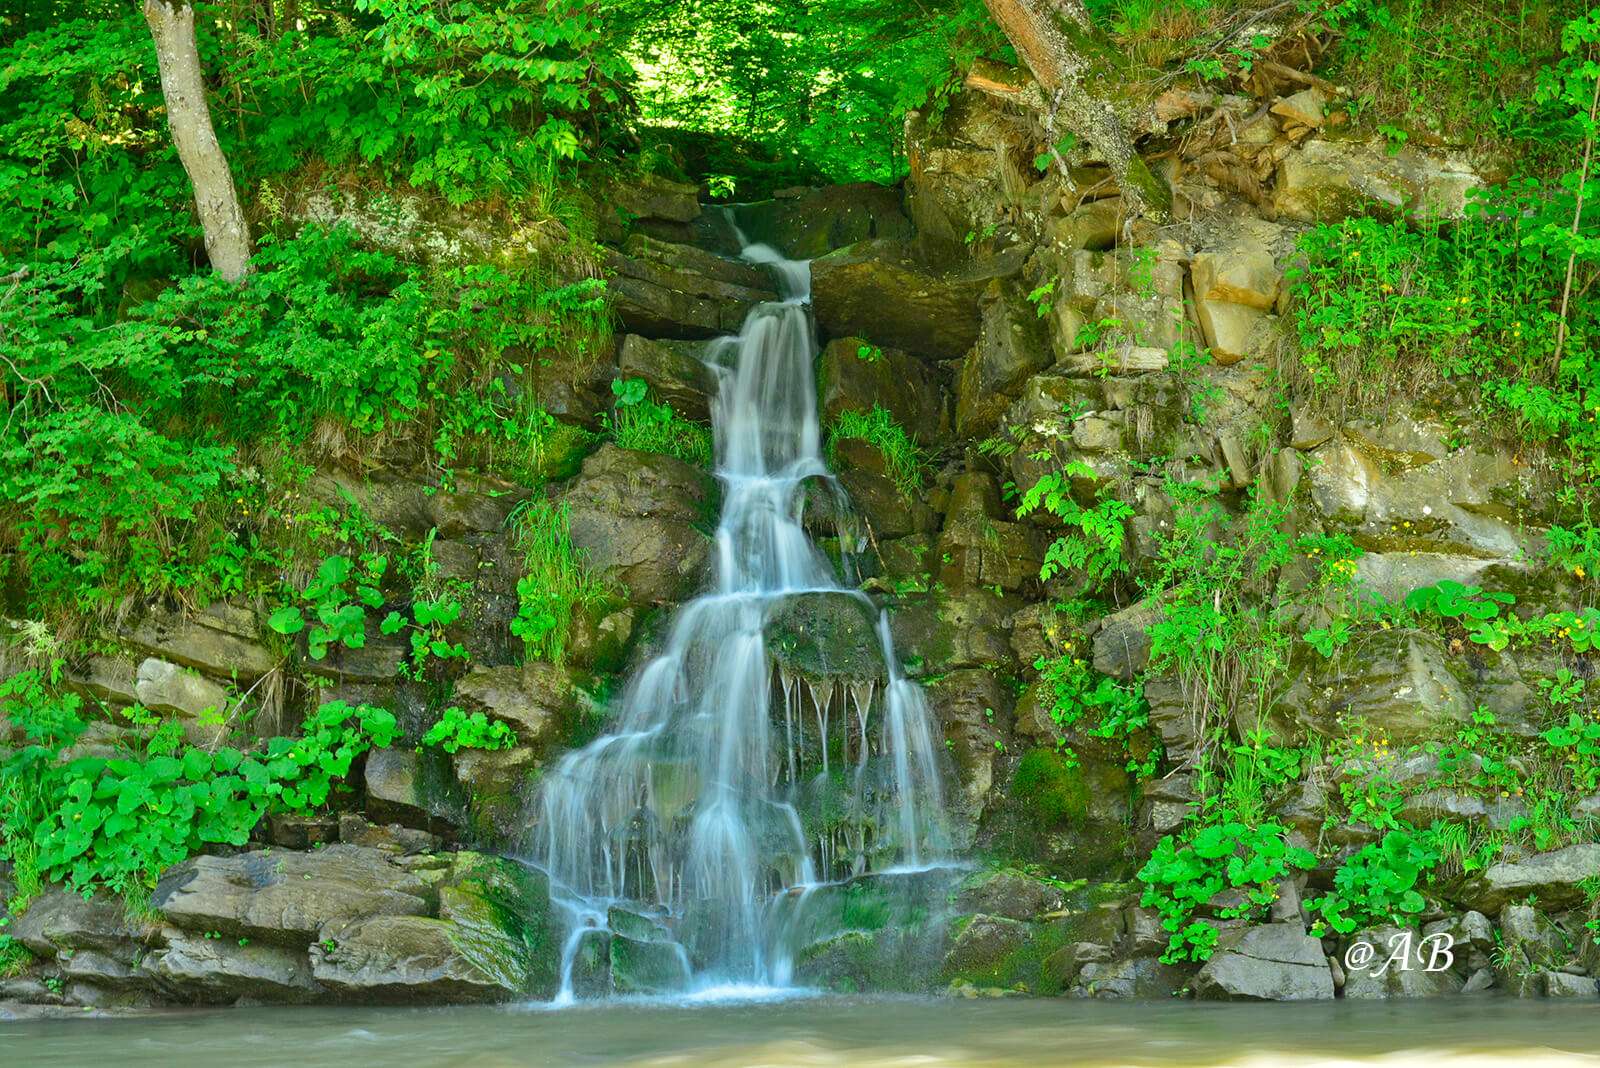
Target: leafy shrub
[(1378, 884), (118, 821), (1182, 876), (1095, 544), (456, 730), (1103, 706)]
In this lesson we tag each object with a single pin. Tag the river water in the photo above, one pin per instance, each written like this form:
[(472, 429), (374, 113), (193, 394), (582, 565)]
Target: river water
[(823, 1031)]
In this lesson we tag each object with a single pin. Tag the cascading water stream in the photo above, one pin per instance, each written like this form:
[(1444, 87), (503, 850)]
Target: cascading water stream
[(690, 810)]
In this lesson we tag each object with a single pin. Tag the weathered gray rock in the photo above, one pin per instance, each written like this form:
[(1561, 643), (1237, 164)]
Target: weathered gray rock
[(223, 641), (416, 789), (195, 967), (1128, 977), (1272, 962), (62, 921), (391, 838), (641, 517), (533, 700), (1552, 880), (1410, 501), (1403, 975), (1121, 644), (663, 289), (1569, 986), (284, 897), (491, 941), (197, 701), (1324, 181), (1012, 344), (964, 171), (877, 290)]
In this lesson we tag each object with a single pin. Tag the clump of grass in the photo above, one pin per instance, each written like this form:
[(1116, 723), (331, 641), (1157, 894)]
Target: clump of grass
[(902, 459), (557, 581), (651, 426)]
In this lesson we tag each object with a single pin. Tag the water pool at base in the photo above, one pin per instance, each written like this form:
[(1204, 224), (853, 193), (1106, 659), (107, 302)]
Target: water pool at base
[(828, 1031)]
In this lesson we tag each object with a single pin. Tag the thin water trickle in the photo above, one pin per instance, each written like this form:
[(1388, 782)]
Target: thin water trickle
[(701, 810)]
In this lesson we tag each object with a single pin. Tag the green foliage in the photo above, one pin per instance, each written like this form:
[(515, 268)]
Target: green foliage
[(124, 458), (819, 87), (117, 821), (338, 599), (1094, 545), (1182, 875), (1478, 301), (1460, 73), (456, 730), (650, 426), (903, 460), (1378, 884), (1099, 706), (557, 584), (496, 90)]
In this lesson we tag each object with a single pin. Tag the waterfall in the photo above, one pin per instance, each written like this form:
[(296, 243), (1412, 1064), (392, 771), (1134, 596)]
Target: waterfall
[(700, 810)]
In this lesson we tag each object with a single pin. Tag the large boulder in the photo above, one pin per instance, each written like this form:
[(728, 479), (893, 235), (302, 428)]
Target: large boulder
[(641, 519), (1552, 880), (967, 167), (1383, 976), (223, 641), (1399, 488), (1012, 344), (806, 223), (59, 921), (662, 289), (197, 702), (416, 788), (855, 375), (674, 371), (1325, 181), (195, 967), (878, 290), (285, 897), (1272, 962), (533, 700)]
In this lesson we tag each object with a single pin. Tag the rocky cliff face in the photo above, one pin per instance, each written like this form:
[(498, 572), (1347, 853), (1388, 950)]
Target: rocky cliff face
[(1013, 324)]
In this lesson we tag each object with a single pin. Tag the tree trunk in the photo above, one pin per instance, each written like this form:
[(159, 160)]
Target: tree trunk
[(1053, 38), (222, 220)]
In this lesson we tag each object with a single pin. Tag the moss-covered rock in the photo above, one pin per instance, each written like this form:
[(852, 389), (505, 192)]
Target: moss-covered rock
[(647, 967), (826, 636)]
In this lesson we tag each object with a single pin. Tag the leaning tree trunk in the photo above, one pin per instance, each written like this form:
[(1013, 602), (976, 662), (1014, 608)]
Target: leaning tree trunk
[(1055, 39), (227, 233)]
